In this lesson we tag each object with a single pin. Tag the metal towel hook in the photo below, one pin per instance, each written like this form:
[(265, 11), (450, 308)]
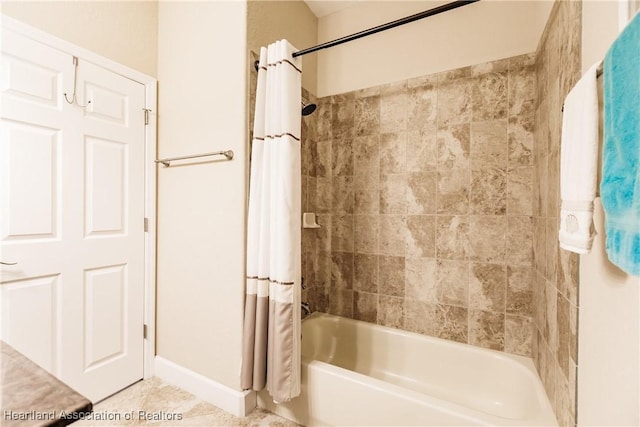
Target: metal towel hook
[(75, 78)]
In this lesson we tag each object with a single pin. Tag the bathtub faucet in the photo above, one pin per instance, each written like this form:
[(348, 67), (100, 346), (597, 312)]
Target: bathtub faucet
[(306, 309)]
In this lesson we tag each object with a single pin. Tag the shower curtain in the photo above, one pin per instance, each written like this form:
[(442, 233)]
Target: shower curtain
[(271, 346)]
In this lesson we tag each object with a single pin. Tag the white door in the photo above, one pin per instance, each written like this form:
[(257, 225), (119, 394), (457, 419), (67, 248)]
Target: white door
[(72, 212)]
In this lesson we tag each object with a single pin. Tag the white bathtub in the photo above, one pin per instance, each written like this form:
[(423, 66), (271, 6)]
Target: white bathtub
[(359, 374)]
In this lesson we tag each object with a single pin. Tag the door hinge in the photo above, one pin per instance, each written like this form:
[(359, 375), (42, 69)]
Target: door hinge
[(144, 331), (146, 225), (146, 115)]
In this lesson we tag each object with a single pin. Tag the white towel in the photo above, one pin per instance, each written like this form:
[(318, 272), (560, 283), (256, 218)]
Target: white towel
[(579, 164)]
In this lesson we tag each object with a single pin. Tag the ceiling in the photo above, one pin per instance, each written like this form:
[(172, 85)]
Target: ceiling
[(322, 8)]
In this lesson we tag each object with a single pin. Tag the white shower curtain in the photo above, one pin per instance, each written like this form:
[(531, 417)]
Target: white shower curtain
[(271, 347)]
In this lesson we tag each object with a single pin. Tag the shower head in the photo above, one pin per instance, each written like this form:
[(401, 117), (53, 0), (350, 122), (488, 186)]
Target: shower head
[(308, 109)]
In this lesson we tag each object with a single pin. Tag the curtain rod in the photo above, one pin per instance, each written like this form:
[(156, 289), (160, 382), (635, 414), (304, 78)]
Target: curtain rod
[(421, 15)]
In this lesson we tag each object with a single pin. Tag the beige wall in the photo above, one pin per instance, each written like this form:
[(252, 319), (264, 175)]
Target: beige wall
[(202, 69), (473, 34), (271, 20), (124, 31), (609, 346)]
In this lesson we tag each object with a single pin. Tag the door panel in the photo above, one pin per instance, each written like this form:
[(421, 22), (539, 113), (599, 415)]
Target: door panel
[(106, 187), (72, 197), (31, 312), (105, 333), (31, 148)]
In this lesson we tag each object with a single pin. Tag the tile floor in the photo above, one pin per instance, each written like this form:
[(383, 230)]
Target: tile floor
[(154, 403)]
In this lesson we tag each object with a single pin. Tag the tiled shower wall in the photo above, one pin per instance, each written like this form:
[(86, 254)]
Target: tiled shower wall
[(555, 296), (424, 194)]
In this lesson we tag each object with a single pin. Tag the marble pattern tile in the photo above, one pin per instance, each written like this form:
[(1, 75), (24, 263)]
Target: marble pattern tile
[(323, 158), (421, 192), (367, 115), (451, 75), (323, 272), (488, 191), (390, 311), (428, 80), (341, 156), (487, 238), (454, 146), (539, 243), (573, 332), (393, 149), (342, 232), (552, 249), (520, 191), (433, 197), (307, 151), (454, 102), (393, 88), (453, 191), (489, 144), (342, 195), (564, 405), (421, 236), (366, 155), (520, 137), (522, 89), (393, 194), (341, 303), (365, 273), (518, 335), (520, 234), (490, 67), (452, 278), (553, 200), (452, 323), (519, 290), (366, 234), (342, 270), (393, 112), (525, 60), (489, 97), (568, 275), (422, 149), (420, 279), (452, 237), (563, 321), (420, 317), (343, 117), (324, 116), (486, 329), (422, 107), (365, 306), (391, 276), (393, 230), (323, 234), (367, 92), (487, 287), (366, 194), (551, 317), (324, 195)]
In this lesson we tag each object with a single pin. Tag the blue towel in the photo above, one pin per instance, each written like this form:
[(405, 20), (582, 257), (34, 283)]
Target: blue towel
[(620, 185)]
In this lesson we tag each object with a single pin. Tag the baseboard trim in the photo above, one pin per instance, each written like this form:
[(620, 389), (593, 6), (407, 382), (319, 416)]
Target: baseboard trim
[(238, 403)]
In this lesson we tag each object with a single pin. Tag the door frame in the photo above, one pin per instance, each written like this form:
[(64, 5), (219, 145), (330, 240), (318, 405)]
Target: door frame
[(150, 171)]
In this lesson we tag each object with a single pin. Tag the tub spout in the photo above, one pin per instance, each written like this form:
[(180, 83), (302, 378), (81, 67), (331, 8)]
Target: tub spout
[(306, 309)]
